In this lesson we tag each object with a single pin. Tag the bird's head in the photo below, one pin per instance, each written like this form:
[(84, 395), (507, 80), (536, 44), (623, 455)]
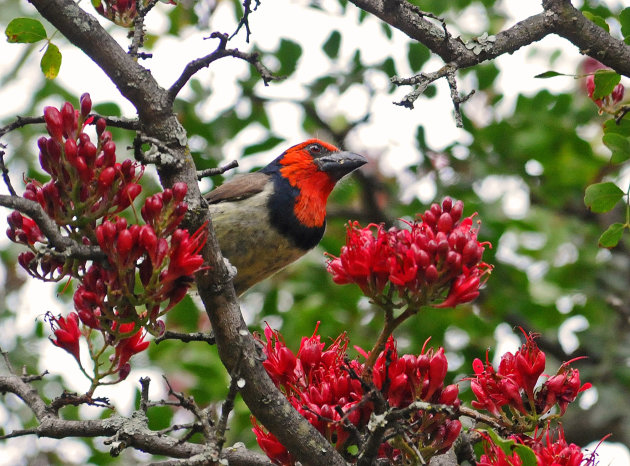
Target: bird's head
[(313, 168)]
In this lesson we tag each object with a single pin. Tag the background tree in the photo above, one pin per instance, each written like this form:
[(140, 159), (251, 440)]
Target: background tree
[(550, 274)]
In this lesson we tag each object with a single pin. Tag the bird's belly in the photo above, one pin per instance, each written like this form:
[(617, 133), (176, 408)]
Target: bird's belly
[(249, 241)]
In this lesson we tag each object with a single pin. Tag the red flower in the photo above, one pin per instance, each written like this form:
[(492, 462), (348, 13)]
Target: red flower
[(67, 333), (127, 347), (185, 254), (438, 256), (513, 384), (271, 445), (562, 388), (530, 364)]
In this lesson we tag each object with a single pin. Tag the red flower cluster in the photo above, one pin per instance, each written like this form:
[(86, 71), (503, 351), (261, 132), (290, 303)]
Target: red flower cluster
[(87, 183), (87, 189), (513, 385), (439, 257), (327, 390), (548, 451)]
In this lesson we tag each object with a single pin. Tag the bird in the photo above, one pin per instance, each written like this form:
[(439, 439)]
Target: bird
[(267, 219)]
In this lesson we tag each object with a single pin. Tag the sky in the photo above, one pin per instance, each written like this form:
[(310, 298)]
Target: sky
[(390, 132)]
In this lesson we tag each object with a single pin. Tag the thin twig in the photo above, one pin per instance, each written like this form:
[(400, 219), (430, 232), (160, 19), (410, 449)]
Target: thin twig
[(144, 394), (124, 123), (186, 337), (18, 433), (228, 406), (480, 417), (247, 10), (7, 361), (5, 174), (220, 52), (456, 98), (216, 171), (20, 122), (138, 27)]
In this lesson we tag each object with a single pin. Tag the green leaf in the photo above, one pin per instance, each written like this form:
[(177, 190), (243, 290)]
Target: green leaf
[(602, 197), (601, 22), (51, 61), (387, 30), (624, 20), (622, 127), (527, 455), (612, 235), (605, 82), (417, 55), (550, 74), (619, 146), (289, 53), (505, 445), (331, 46), (267, 144), (25, 31)]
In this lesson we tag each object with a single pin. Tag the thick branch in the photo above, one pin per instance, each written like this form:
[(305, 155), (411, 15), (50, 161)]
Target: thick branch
[(409, 19), (559, 17), (592, 40)]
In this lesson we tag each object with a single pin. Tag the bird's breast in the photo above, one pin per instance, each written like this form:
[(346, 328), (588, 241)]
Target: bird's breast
[(249, 240)]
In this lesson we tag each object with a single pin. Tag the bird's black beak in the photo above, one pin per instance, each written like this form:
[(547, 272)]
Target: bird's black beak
[(339, 164)]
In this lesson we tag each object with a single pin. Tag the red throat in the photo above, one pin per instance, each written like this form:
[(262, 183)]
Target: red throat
[(314, 185)]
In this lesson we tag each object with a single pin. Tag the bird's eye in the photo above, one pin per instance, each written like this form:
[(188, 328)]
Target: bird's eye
[(315, 149)]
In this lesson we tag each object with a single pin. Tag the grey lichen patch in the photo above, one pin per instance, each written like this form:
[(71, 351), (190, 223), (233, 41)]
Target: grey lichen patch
[(78, 21), (480, 44), (376, 421)]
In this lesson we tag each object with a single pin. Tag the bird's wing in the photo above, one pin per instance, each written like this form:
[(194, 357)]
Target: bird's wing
[(240, 187)]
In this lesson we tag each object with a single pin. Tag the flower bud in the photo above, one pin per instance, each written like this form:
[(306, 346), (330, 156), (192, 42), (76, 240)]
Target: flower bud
[(106, 178), (88, 152), (69, 118), (54, 122), (109, 152), (179, 191), (15, 219), (101, 124), (70, 151), (457, 210), (86, 104), (445, 222)]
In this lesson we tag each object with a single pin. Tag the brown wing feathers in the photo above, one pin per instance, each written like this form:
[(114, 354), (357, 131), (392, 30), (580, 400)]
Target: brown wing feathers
[(240, 187)]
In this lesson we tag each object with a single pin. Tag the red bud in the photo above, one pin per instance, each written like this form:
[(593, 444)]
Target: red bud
[(54, 122), (86, 104)]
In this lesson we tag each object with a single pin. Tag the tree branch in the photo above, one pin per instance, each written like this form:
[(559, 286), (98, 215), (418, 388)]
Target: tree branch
[(49, 228), (591, 39), (559, 17), (132, 432), (220, 52)]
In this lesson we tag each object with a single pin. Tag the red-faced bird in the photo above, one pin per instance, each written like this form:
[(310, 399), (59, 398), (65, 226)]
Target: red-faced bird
[(267, 219)]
